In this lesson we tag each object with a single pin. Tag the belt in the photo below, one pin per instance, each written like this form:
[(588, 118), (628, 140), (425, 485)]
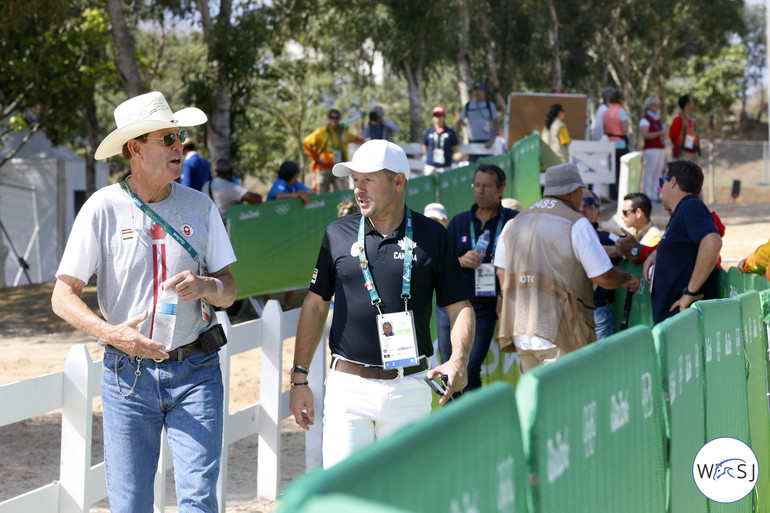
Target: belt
[(372, 372), (484, 299), (191, 348), (601, 303)]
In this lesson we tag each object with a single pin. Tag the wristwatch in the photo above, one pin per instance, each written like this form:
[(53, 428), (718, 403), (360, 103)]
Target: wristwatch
[(688, 292)]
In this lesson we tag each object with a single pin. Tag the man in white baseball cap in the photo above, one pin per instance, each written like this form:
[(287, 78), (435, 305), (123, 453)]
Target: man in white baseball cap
[(382, 266), (161, 256)]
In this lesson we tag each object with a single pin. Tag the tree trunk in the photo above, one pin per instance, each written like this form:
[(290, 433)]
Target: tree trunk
[(553, 43), (92, 131), (464, 77), (494, 79), (124, 46), (414, 80), (218, 126)]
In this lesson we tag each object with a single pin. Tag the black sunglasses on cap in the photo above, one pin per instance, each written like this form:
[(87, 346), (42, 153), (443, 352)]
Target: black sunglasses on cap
[(171, 137)]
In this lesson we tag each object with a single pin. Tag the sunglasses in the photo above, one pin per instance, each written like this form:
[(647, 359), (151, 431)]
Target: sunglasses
[(332, 118), (171, 137), (627, 212), (662, 180), (589, 201)]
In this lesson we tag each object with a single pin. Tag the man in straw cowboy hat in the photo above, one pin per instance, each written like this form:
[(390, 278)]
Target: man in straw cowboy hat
[(161, 257)]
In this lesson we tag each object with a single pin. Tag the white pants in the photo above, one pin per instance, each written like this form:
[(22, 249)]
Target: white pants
[(654, 162), (358, 411)]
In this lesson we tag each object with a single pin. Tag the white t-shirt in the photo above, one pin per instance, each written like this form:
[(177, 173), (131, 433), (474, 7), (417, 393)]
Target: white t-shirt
[(132, 256), (589, 252), (224, 193), (597, 132)]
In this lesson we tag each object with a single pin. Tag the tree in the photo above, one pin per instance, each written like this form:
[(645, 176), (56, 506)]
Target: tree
[(50, 64)]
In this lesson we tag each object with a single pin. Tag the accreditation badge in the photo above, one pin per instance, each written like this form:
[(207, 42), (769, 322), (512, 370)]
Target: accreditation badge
[(206, 309), (398, 340), (438, 157), (485, 280), (689, 142)]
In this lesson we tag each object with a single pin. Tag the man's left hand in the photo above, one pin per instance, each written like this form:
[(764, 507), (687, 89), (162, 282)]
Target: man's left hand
[(188, 285), (454, 370), (685, 301), (489, 143)]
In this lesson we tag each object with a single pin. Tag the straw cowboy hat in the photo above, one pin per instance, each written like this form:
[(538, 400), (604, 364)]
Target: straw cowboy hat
[(144, 114)]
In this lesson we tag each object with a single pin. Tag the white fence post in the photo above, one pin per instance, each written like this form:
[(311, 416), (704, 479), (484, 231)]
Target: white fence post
[(269, 457), (316, 378), (76, 421), (224, 365)]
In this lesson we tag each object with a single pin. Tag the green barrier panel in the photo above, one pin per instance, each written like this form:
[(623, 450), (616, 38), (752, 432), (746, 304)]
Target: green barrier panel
[(525, 156), (680, 356), (455, 191), (755, 347), (635, 174), (465, 457), (735, 283), (764, 299), (641, 309), (277, 242), (337, 503), (593, 428), (723, 288), (755, 282), (725, 371), (420, 191)]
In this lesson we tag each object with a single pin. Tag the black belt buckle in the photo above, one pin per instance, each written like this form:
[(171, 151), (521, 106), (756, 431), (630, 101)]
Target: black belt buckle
[(213, 339)]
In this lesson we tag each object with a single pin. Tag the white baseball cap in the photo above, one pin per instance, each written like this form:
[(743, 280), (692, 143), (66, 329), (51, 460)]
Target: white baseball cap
[(373, 156), (144, 114), (435, 210)]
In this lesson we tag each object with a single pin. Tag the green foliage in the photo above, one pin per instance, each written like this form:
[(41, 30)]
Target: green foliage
[(714, 82)]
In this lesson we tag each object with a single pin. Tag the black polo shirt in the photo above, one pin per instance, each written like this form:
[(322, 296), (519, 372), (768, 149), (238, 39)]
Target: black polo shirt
[(460, 232), (338, 272)]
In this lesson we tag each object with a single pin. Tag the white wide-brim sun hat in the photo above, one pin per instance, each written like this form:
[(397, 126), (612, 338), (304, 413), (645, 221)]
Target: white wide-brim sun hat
[(144, 114)]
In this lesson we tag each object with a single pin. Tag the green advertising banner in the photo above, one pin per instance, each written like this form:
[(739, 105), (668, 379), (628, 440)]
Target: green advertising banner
[(455, 191), (420, 191), (277, 242), (525, 155), (430, 466), (593, 428), (681, 367)]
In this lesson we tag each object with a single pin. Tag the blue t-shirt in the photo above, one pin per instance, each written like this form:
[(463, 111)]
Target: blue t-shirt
[(196, 171), (460, 233), (446, 140), (677, 252), (281, 186)]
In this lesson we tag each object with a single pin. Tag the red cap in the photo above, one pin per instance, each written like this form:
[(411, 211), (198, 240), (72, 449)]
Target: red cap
[(439, 110)]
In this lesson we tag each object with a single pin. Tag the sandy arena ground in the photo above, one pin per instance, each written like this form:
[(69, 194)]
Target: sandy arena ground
[(33, 342)]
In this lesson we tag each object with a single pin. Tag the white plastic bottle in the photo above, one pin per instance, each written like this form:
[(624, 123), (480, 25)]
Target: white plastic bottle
[(482, 244), (165, 317)]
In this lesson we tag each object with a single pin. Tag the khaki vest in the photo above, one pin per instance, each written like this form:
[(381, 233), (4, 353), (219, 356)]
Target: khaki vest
[(546, 291)]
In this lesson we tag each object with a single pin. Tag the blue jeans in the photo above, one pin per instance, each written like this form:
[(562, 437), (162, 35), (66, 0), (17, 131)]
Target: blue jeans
[(486, 317), (604, 318), (185, 396)]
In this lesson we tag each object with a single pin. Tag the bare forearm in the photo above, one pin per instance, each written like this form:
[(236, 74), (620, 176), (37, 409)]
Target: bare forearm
[(708, 255), (67, 303), (221, 294), (309, 329), (463, 326)]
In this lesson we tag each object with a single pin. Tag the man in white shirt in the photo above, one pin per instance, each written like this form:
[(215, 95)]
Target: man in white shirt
[(552, 259), (224, 192)]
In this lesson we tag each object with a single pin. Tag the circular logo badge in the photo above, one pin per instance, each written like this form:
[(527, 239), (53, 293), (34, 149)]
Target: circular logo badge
[(725, 470), (187, 230), (355, 249)]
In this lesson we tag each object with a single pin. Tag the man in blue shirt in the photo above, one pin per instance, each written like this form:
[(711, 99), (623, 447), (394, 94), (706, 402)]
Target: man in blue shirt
[(288, 184), (683, 268), (196, 170), (439, 144), (478, 275)]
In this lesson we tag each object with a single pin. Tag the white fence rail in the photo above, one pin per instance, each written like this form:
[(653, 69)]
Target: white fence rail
[(73, 389)]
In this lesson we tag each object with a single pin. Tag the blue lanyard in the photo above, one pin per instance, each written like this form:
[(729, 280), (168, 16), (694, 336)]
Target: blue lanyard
[(497, 232), (160, 221), (406, 278)]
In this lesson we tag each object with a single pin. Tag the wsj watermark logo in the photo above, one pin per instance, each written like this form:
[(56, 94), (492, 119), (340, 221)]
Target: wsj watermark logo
[(725, 470)]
